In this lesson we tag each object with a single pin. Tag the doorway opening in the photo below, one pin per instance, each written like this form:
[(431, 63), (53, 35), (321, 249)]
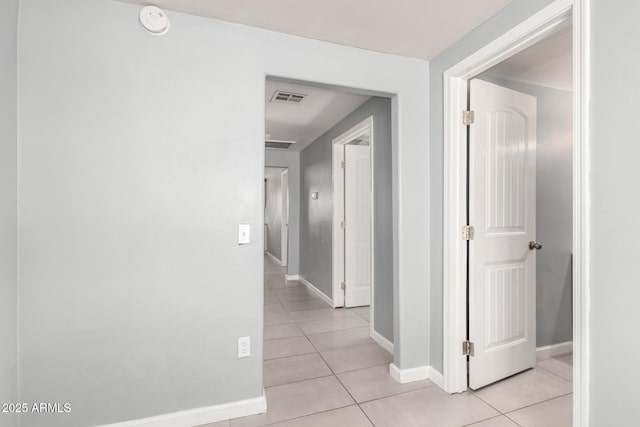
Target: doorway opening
[(352, 216), (332, 148), (492, 294), (276, 214)]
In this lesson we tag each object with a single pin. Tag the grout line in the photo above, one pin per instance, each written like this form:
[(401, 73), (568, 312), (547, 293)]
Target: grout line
[(300, 381), (554, 373), (491, 418), (534, 404), (396, 394), (303, 416), (473, 393)]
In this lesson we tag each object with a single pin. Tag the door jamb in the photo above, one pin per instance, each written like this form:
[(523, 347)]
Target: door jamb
[(366, 126), (517, 39)]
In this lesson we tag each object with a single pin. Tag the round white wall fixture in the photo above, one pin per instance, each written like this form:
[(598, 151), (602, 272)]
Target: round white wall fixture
[(154, 20)]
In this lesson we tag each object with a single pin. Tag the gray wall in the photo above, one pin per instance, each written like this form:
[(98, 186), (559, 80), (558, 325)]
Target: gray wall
[(511, 15), (8, 200), (316, 215), (290, 160), (273, 215), (615, 206), (136, 165), (554, 209)]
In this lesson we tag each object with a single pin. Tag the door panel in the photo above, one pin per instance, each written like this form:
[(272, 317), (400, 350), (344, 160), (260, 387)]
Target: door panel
[(358, 226), (502, 208)]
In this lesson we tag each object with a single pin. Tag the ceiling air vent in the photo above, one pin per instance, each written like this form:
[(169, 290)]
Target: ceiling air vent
[(278, 144), (288, 97)]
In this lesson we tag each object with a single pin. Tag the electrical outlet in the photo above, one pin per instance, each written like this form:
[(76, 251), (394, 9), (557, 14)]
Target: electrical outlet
[(244, 347)]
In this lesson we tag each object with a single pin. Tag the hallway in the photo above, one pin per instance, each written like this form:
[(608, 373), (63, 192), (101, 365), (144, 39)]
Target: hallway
[(322, 369)]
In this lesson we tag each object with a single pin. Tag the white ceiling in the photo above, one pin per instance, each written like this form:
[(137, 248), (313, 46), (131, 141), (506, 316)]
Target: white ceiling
[(318, 112), (416, 28), (547, 63)]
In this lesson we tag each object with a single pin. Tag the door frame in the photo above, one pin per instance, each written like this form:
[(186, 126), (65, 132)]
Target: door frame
[(284, 230), (532, 30), (337, 264)]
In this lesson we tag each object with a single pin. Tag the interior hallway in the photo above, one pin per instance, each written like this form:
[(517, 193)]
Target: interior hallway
[(322, 369)]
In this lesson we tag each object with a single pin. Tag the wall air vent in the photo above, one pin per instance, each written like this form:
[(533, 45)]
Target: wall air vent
[(288, 97), (283, 145)]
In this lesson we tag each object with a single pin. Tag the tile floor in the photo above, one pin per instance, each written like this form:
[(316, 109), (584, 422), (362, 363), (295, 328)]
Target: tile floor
[(322, 369)]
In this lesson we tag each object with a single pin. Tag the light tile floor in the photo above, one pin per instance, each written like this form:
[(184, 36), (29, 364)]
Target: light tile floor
[(322, 369)]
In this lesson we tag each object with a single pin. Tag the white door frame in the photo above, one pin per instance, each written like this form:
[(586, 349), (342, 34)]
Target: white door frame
[(362, 128), (284, 229), (532, 30)]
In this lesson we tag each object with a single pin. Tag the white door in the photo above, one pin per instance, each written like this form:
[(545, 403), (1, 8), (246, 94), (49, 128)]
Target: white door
[(357, 207), (502, 208), (284, 244)]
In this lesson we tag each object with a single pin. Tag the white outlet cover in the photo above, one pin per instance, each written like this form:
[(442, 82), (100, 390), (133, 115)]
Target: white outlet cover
[(244, 347), (154, 20)]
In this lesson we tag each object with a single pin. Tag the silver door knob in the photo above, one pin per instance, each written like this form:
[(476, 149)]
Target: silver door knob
[(535, 245)]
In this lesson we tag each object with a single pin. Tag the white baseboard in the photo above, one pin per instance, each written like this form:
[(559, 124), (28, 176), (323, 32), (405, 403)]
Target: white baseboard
[(410, 375), (292, 276), (436, 377), (382, 341), (273, 257), (553, 350), (199, 416), (315, 290)]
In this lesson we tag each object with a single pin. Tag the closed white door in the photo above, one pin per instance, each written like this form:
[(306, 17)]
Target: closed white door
[(502, 208), (357, 206)]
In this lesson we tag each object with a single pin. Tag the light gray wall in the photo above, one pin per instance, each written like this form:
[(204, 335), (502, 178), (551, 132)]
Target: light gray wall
[(136, 165), (273, 215), (554, 209), (8, 201), (511, 15), (290, 160), (615, 207), (316, 215)]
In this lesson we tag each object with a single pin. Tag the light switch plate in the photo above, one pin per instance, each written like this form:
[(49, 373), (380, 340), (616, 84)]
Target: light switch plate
[(244, 234)]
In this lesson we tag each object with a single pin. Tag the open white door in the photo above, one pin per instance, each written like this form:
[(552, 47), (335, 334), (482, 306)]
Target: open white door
[(357, 209), (284, 244), (502, 208)]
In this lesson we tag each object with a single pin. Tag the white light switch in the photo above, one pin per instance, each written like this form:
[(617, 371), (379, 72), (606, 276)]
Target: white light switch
[(244, 234)]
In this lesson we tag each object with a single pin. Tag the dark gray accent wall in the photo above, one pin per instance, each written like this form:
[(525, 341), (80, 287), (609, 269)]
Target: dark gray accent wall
[(554, 209), (511, 15), (273, 215), (316, 215), (8, 207), (615, 207), (291, 161)]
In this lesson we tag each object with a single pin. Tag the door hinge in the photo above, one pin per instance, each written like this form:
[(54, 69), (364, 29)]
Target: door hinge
[(467, 348), (468, 117), (343, 224), (343, 285), (343, 164), (468, 232)]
